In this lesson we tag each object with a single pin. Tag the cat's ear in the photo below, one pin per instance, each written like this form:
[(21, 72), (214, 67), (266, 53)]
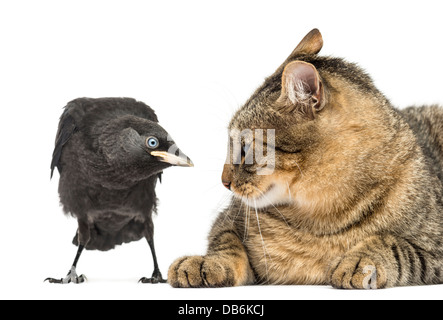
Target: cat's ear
[(302, 89), (312, 43)]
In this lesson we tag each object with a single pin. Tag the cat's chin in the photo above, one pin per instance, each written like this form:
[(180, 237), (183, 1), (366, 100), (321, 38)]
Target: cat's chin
[(275, 195)]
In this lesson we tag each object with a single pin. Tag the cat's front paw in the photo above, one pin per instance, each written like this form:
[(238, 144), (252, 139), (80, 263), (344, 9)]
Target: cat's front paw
[(199, 272), (357, 271)]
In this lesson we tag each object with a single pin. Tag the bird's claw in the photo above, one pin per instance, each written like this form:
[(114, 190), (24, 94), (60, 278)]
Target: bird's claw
[(151, 280), (156, 278), (71, 277)]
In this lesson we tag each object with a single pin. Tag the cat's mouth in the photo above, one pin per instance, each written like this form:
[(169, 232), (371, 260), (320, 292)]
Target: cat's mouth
[(272, 196), (263, 194)]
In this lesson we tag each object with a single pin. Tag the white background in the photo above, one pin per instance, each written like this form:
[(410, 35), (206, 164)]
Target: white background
[(195, 63)]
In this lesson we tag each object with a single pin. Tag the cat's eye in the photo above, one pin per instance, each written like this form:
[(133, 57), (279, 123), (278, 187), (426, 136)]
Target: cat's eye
[(288, 149), (246, 155), (246, 148), (152, 142)]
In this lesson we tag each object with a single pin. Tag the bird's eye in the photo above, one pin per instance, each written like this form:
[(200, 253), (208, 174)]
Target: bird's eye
[(152, 142)]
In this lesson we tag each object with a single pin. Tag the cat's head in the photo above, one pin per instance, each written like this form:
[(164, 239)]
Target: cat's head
[(303, 125)]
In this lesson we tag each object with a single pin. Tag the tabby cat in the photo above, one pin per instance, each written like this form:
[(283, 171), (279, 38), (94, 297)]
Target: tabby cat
[(354, 198)]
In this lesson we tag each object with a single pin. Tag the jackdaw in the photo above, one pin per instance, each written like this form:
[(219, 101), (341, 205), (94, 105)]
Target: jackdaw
[(109, 153)]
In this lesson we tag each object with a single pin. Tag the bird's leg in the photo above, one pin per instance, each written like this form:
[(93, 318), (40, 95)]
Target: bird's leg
[(156, 275), (72, 274), (83, 238)]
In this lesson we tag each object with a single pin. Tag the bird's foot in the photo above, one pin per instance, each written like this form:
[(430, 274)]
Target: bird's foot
[(156, 278), (71, 277)]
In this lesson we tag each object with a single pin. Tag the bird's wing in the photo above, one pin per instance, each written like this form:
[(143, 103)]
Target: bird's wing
[(66, 129)]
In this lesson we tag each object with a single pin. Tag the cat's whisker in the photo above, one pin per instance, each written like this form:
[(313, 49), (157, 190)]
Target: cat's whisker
[(209, 189), (238, 212), (231, 209), (232, 219), (289, 191), (262, 240), (301, 172), (247, 219), (264, 195), (228, 209), (221, 206), (246, 223)]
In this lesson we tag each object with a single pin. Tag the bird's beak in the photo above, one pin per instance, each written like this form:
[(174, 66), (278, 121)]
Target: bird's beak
[(182, 160)]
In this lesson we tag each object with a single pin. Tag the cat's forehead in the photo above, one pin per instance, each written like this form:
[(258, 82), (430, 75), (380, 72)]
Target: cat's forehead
[(246, 123), (252, 123), (248, 117), (256, 113), (246, 135)]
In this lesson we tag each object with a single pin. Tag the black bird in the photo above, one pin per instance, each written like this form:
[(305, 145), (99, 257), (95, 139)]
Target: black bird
[(109, 153)]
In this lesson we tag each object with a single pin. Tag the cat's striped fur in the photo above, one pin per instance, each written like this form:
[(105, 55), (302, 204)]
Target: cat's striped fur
[(361, 184)]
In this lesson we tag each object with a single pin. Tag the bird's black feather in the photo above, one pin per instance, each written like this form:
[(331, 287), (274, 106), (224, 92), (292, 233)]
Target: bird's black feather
[(108, 172), (66, 129), (105, 181)]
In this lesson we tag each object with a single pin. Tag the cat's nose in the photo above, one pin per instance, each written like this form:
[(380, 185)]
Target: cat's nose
[(227, 184), (227, 176)]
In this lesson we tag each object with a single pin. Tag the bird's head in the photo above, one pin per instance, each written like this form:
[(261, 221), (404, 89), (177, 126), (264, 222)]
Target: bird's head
[(141, 146)]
